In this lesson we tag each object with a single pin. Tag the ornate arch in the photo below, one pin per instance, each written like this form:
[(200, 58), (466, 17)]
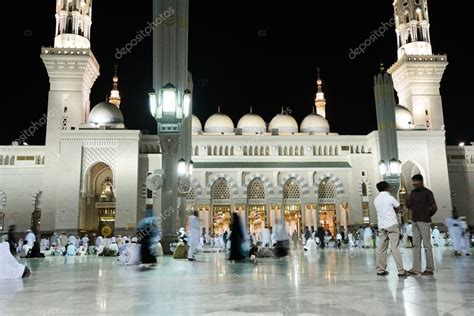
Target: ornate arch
[(37, 198), (197, 186), (233, 186), (367, 183), (337, 183), (266, 182), (3, 200), (301, 181)]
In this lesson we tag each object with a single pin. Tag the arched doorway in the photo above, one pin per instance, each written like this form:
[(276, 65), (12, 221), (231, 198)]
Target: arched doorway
[(327, 206), (256, 206), (97, 209), (292, 206), (221, 206)]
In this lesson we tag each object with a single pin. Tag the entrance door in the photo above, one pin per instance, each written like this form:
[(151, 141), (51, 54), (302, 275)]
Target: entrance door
[(256, 218), (292, 217), (327, 218), (221, 219)]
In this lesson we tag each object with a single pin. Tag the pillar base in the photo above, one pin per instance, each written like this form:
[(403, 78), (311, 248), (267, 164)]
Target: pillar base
[(165, 244)]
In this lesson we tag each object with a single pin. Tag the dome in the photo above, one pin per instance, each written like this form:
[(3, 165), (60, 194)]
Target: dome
[(105, 113), (403, 117), (252, 123), (285, 123), (314, 123), (219, 123), (196, 124)]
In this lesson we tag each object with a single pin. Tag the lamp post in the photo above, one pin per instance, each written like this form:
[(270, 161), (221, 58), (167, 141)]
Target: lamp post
[(169, 110)]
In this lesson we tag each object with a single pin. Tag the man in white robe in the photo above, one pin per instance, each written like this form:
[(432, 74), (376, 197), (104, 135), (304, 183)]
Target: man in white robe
[(9, 266), (266, 241), (455, 233), (368, 241), (194, 233), (85, 242), (437, 237), (30, 238)]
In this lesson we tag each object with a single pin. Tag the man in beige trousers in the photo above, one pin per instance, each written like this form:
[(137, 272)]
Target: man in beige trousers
[(389, 231), (423, 206)]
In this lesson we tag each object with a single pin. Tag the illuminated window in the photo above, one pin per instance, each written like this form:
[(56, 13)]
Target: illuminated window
[(220, 190), (256, 190), (291, 190)]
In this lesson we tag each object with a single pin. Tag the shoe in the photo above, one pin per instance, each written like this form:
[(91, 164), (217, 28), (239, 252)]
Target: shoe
[(426, 272), (404, 274), (191, 259), (457, 254), (382, 273), (413, 272)]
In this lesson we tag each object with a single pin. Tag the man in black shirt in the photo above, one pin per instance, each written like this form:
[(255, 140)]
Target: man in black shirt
[(423, 206)]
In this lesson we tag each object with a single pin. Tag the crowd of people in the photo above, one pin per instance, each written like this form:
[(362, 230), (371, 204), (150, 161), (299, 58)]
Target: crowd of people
[(241, 245)]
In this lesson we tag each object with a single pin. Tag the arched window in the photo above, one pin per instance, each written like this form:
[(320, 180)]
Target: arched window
[(302, 151), (326, 189), (256, 190), (297, 151), (362, 150), (315, 151), (1, 160), (255, 151), (267, 151), (285, 151), (232, 150), (291, 150), (336, 151), (320, 150), (262, 151), (215, 151), (357, 150), (227, 150), (330, 151), (221, 151), (291, 189), (191, 195), (196, 151), (245, 151), (280, 151), (364, 189), (220, 190), (325, 150), (7, 160)]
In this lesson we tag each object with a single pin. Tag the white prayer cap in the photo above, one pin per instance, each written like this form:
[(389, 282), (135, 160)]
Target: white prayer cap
[(134, 239)]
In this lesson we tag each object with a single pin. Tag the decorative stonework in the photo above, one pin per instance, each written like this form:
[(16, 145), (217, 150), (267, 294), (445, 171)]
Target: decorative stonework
[(339, 186), (301, 181), (367, 183), (92, 155), (233, 186), (267, 182)]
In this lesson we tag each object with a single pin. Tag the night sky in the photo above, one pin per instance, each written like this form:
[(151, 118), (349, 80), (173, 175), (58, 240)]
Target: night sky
[(242, 53)]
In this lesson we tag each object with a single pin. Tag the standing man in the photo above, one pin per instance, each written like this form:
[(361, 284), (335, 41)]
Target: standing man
[(294, 237), (423, 206), (194, 228), (387, 207)]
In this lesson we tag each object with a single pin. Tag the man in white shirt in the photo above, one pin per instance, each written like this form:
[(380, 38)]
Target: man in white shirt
[(387, 206)]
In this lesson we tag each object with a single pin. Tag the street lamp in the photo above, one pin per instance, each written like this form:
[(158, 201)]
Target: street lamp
[(394, 168), (186, 102), (152, 102), (382, 168), (168, 99)]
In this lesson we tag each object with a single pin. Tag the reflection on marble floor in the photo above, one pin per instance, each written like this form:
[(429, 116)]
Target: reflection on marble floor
[(331, 282)]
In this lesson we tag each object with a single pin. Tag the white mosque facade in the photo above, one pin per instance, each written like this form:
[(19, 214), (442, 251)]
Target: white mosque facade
[(90, 176)]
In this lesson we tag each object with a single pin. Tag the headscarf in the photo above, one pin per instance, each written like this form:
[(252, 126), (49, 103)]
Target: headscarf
[(10, 268)]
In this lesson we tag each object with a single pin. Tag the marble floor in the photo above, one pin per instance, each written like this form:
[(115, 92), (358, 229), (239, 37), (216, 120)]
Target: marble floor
[(331, 282)]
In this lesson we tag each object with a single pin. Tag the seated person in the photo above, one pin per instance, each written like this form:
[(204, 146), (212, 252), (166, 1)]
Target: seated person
[(10, 268), (35, 251), (71, 249)]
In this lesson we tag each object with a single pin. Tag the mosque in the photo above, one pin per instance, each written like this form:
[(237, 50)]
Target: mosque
[(90, 176)]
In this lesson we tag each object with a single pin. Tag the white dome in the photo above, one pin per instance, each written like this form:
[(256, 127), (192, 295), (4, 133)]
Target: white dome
[(196, 124), (285, 123), (314, 123), (219, 123), (403, 117), (252, 123), (105, 113)]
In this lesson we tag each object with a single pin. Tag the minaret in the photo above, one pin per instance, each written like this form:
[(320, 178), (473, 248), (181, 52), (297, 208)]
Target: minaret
[(417, 73), (115, 94), (72, 70), (320, 101)]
